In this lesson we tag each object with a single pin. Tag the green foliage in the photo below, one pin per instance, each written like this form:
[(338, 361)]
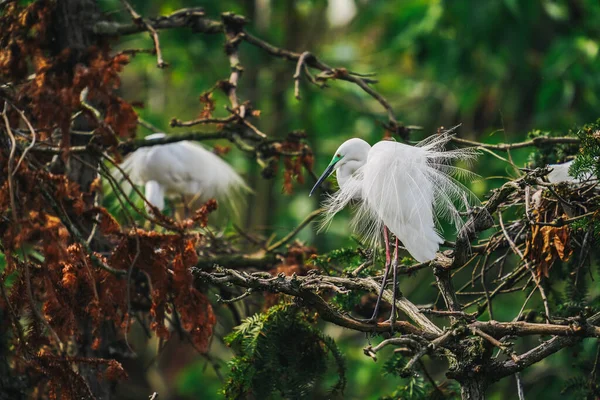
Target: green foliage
[(588, 160), (414, 386), (349, 260), (9, 279), (551, 153), (280, 352), (576, 388), (346, 257), (584, 385)]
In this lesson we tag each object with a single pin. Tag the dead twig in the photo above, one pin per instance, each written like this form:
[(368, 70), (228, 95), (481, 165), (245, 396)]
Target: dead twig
[(138, 20), (297, 74)]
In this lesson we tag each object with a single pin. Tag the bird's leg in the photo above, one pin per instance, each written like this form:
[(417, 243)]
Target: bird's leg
[(385, 274), (394, 287)]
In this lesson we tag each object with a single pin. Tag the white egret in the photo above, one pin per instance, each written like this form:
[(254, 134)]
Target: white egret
[(184, 170), (560, 173), (402, 188)]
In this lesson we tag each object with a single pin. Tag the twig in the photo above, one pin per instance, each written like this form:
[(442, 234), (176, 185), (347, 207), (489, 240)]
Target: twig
[(361, 267), (294, 286), (33, 137), (13, 317), (524, 304), (294, 232), (234, 299), (485, 290), (74, 232), (11, 157), (397, 341), (496, 343), (538, 353), (537, 142), (520, 392), (593, 374), (565, 221), (444, 313), (520, 254), (297, 74), (34, 308), (431, 380), (203, 121), (233, 25), (138, 20), (431, 346), (148, 125)]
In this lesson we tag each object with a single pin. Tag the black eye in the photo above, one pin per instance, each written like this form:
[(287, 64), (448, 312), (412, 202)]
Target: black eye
[(338, 155)]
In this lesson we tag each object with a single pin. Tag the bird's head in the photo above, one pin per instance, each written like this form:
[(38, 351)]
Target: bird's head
[(354, 149)]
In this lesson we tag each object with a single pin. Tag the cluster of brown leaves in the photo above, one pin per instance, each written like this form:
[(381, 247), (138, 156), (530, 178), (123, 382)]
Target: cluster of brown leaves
[(65, 292), (23, 34), (73, 288), (293, 164), (208, 105), (75, 386), (72, 291), (52, 97), (167, 259), (547, 243)]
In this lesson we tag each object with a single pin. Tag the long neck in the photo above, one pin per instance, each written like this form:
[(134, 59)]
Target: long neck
[(346, 170)]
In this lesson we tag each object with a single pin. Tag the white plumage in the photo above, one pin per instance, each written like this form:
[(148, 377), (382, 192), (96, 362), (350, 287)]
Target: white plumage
[(184, 170), (560, 173), (405, 188)]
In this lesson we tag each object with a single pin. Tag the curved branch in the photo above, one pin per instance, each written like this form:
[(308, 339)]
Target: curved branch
[(535, 142), (547, 348), (302, 287)]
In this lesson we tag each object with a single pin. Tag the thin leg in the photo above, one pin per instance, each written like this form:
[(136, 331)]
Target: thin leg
[(394, 286), (385, 275)]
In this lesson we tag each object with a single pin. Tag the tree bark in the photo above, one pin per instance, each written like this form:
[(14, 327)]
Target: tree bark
[(72, 22), (473, 389)]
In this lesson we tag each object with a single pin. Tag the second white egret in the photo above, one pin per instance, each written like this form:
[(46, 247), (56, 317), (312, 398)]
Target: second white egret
[(560, 173), (402, 188), (184, 171)]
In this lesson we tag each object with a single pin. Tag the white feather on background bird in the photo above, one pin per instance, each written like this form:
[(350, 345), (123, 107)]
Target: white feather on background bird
[(403, 187), (560, 173), (184, 169)]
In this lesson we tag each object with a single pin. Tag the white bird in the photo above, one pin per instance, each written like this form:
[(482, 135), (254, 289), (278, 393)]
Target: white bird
[(187, 171), (402, 188), (560, 173)]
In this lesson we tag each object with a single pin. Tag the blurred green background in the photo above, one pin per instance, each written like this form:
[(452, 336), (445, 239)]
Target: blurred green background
[(501, 68)]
